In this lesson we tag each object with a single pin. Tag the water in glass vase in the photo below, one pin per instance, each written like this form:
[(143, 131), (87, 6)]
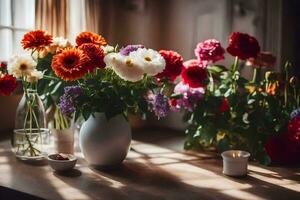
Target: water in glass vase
[(31, 137)]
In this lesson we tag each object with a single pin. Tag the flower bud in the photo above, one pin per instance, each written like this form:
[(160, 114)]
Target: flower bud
[(293, 81)]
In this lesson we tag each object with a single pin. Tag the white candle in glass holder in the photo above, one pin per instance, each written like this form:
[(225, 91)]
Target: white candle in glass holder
[(235, 162)]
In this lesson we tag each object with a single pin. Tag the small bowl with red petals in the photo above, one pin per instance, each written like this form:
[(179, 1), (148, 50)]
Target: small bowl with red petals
[(61, 161)]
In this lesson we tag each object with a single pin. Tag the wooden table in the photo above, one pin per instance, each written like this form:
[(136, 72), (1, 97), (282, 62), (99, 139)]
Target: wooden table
[(156, 168)]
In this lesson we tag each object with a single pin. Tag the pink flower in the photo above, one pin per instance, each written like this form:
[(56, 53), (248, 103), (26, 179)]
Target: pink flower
[(190, 96), (210, 50)]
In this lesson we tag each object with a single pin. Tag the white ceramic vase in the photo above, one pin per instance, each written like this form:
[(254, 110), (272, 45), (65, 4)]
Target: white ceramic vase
[(103, 142)]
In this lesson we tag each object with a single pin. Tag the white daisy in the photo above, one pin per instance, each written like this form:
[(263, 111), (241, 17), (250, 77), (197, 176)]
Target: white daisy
[(150, 60), (21, 65), (124, 66)]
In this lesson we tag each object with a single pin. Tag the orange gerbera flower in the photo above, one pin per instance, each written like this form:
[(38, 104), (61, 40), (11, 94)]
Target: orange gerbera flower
[(89, 37), (70, 64), (95, 54), (37, 39)]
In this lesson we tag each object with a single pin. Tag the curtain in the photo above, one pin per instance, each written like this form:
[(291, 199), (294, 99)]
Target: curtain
[(93, 15), (53, 16)]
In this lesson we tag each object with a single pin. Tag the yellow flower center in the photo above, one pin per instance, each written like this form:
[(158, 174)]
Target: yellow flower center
[(129, 63), (147, 58), (23, 66)]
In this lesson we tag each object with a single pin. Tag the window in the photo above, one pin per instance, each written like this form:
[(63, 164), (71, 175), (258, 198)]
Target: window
[(16, 18)]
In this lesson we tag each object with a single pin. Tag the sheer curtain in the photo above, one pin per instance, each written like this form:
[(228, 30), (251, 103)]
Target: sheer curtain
[(53, 16), (64, 18), (16, 18)]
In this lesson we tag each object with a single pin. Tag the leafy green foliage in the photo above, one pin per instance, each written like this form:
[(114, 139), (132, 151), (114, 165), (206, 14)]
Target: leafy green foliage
[(106, 92)]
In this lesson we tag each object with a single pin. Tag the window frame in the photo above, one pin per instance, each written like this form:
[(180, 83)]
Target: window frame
[(13, 28)]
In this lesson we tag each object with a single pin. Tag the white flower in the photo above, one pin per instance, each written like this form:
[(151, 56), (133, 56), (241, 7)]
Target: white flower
[(107, 49), (61, 42), (150, 60), (21, 65), (124, 66), (34, 76), (58, 44)]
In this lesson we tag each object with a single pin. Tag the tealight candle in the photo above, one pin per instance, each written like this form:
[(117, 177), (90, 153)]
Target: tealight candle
[(235, 162)]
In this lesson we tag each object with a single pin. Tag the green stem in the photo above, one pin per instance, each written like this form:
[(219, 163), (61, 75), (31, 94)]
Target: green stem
[(254, 75), (50, 78), (286, 88), (235, 65)]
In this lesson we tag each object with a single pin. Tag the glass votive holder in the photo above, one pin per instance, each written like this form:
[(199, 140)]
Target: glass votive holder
[(235, 162)]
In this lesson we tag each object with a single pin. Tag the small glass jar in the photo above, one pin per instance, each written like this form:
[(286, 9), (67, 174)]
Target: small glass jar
[(31, 137)]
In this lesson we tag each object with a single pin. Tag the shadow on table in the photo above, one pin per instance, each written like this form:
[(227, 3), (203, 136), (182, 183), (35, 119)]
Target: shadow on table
[(264, 187), (135, 180), (17, 174)]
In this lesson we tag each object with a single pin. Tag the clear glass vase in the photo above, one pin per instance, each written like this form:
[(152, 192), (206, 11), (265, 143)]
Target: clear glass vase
[(31, 136)]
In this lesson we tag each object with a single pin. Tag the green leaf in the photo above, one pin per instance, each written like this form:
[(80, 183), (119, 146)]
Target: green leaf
[(216, 68)]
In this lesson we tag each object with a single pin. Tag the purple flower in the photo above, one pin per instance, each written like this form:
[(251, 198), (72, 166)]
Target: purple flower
[(67, 101), (125, 51), (190, 96), (159, 104)]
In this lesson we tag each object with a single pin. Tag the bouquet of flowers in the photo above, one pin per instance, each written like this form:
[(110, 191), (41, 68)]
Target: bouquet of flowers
[(227, 111), (92, 76)]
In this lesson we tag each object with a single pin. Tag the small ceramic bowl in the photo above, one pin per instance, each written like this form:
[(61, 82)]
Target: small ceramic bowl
[(62, 165)]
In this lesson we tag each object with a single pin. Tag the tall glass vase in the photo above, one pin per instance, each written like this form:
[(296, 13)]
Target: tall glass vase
[(31, 136)]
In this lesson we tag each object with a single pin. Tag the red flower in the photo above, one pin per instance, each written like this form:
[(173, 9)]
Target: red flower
[(224, 105), (37, 39), (243, 46), (174, 65), (89, 37), (70, 64), (194, 63), (95, 54), (194, 76), (3, 65), (210, 50), (173, 102), (282, 150), (285, 148), (8, 84)]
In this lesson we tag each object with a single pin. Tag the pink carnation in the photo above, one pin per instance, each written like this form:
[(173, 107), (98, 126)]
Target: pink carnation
[(210, 50)]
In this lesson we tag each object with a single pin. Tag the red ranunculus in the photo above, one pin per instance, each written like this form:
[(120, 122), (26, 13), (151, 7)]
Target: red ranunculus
[(95, 54), (209, 50), (282, 150), (194, 76), (8, 84), (224, 105), (174, 65), (285, 148), (243, 46)]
